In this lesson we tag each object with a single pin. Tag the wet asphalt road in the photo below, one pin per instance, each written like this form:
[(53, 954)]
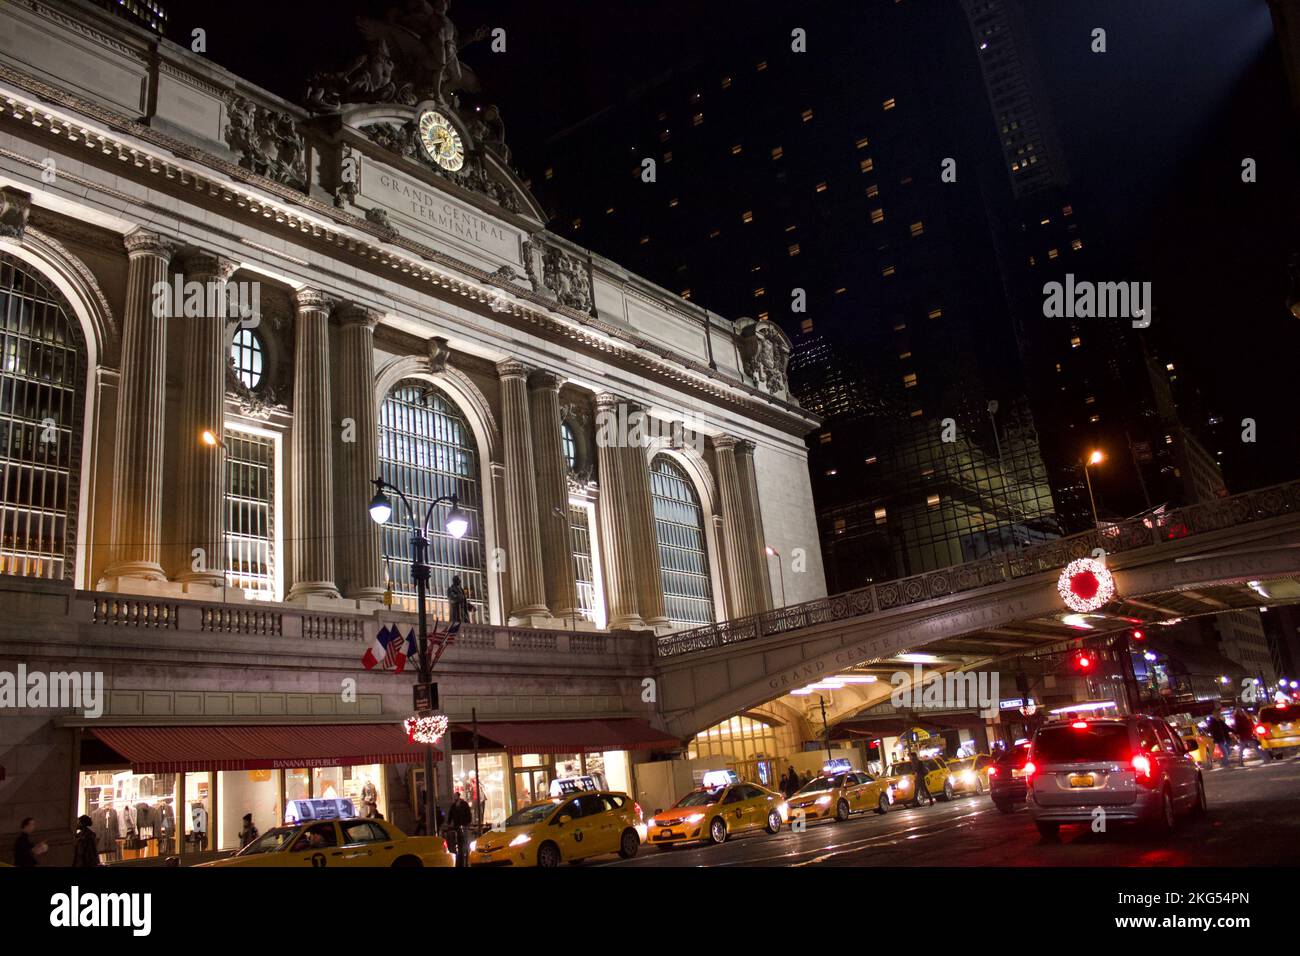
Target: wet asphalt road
[(1253, 820)]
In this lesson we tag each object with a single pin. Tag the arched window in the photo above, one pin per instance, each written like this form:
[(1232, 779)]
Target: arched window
[(427, 450), (246, 352), (568, 446), (41, 398), (679, 531)]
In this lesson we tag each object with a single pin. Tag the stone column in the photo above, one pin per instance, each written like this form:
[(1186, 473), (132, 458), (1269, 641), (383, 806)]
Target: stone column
[(138, 465), (754, 520), (552, 494), (203, 408), (360, 574), (618, 555), (311, 468), (737, 542), (524, 558), (640, 511)]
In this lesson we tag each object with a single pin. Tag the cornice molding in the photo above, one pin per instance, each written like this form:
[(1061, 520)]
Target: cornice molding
[(380, 247)]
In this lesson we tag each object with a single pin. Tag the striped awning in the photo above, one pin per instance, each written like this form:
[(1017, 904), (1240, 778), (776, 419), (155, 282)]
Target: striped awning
[(572, 736), (284, 747)]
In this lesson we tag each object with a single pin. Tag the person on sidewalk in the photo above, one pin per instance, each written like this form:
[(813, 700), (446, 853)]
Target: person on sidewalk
[(26, 848), (85, 848), (460, 817), (922, 792)]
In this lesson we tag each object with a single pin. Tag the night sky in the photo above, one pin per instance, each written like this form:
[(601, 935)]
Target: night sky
[(1155, 130)]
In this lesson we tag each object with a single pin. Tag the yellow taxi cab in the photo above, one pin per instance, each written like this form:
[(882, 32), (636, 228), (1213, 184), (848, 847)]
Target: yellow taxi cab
[(901, 778), (967, 775), (722, 808), (566, 828), (1200, 746), (345, 842), (838, 792), (1277, 728)]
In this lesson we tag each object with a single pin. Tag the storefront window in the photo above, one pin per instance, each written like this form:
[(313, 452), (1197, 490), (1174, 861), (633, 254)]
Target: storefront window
[(134, 815), (488, 789), (247, 791), (297, 784), (198, 812)]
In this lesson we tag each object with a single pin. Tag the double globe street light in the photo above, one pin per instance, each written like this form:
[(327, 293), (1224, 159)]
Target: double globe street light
[(456, 523)]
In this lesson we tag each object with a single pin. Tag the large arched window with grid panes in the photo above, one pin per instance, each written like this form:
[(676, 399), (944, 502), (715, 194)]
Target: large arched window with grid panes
[(42, 393), (427, 450), (683, 557)]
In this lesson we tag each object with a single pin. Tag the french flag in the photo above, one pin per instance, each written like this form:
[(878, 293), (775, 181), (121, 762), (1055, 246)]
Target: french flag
[(386, 652)]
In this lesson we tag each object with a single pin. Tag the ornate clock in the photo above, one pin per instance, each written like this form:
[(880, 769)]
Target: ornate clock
[(441, 141)]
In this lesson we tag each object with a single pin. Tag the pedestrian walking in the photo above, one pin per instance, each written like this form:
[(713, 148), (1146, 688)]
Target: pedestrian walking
[(1221, 737), (920, 790), (460, 816), (26, 848), (790, 783), (85, 848), (249, 832)]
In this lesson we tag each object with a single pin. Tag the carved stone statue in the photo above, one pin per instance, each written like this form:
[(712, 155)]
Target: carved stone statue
[(267, 141), (567, 277), (764, 354), (490, 132)]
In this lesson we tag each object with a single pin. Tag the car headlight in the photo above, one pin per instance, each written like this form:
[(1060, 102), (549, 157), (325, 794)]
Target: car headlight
[(521, 839), (823, 799), (952, 779), (695, 818), (968, 777), (784, 810), (473, 845), (652, 822)]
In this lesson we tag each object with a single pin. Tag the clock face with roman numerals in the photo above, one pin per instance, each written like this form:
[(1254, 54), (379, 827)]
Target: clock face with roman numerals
[(441, 141)]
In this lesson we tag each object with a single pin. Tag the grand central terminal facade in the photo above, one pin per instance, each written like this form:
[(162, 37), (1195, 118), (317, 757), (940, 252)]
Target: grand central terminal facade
[(224, 314)]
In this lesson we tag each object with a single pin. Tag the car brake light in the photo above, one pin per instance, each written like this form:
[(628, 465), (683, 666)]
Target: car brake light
[(1030, 769), (1142, 767), (993, 771), (1261, 730), (444, 847), (1080, 725)]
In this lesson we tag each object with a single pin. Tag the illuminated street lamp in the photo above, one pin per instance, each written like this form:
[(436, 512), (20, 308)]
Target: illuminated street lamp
[(1094, 458), (455, 524)]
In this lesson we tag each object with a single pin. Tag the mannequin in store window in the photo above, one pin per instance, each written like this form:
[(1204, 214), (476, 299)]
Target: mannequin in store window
[(369, 800)]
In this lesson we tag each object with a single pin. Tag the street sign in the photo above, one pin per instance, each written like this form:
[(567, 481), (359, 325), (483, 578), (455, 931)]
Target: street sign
[(426, 697)]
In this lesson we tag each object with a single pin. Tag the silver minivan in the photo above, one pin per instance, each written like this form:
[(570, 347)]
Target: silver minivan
[(1115, 769)]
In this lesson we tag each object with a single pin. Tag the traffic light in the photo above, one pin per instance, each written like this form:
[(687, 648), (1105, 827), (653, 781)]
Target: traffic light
[(1138, 634), (1084, 661)]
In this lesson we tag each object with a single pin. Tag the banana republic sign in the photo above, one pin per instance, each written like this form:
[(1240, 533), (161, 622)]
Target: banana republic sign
[(430, 209)]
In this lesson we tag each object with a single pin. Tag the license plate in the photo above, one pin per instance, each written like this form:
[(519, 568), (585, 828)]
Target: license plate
[(1082, 780), (1016, 774), (665, 834)]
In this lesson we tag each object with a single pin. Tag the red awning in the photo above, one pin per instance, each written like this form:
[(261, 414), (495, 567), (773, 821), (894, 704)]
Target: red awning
[(183, 749), (573, 736)]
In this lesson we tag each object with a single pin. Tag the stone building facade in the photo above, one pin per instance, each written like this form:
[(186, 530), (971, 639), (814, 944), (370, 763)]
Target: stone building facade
[(224, 314)]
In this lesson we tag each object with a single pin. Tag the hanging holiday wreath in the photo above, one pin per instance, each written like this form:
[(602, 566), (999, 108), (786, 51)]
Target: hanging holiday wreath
[(1085, 585)]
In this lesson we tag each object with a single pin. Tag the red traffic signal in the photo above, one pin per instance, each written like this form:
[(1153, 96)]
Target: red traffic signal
[(1138, 634), (1084, 661)]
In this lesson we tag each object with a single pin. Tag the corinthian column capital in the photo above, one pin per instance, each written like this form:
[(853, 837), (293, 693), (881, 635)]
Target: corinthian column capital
[(725, 443), (142, 242), (511, 368), (202, 265), (307, 299), (354, 313), (542, 380)]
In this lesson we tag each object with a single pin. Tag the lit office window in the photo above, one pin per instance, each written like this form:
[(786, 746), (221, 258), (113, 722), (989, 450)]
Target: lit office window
[(932, 501), (889, 104), (881, 515), (426, 449), (246, 355), (909, 380), (917, 229), (867, 165), (41, 400), (877, 215), (248, 522), (679, 532)]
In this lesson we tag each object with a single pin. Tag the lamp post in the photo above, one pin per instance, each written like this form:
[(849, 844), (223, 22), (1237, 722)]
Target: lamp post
[(780, 566), (455, 524), (1094, 458)]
